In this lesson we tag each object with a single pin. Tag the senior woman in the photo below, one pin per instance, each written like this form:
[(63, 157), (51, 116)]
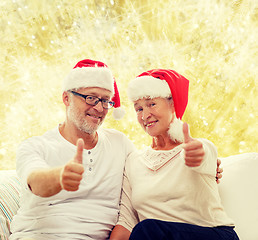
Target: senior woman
[(169, 191)]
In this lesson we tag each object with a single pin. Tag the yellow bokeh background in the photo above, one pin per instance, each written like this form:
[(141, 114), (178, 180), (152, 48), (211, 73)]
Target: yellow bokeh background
[(212, 43)]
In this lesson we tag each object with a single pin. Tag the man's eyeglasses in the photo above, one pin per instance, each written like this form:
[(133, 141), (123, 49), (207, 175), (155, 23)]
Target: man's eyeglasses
[(93, 100)]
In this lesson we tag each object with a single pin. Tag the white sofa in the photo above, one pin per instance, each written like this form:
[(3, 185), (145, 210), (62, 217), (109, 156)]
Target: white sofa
[(239, 193), (238, 189)]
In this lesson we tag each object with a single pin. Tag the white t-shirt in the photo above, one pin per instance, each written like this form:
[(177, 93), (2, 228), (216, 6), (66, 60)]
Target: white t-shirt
[(158, 185), (89, 213)]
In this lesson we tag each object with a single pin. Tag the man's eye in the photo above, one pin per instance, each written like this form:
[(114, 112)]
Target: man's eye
[(105, 100), (90, 97)]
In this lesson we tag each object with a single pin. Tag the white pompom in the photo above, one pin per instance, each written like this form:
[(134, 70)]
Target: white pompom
[(176, 131), (118, 113)]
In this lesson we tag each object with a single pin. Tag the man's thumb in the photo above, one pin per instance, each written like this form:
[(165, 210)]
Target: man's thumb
[(79, 154), (187, 137)]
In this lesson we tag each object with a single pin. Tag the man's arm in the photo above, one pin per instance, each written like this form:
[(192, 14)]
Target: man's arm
[(45, 183), (219, 171), (48, 182), (120, 233)]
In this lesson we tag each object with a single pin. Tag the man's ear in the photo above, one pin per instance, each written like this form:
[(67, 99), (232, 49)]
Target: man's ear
[(66, 99)]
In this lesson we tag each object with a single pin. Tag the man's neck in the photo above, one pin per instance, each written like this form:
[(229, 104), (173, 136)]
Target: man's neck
[(71, 134)]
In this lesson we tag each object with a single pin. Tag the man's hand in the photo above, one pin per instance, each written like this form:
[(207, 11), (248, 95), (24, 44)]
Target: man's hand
[(219, 171), (194, 152), (72, 173)]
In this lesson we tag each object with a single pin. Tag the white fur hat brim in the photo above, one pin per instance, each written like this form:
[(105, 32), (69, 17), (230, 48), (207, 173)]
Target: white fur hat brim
[(147, 86), (89, 77)]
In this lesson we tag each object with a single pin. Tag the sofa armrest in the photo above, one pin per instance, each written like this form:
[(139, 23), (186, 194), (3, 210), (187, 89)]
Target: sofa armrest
[(9, 200), (239, 193)]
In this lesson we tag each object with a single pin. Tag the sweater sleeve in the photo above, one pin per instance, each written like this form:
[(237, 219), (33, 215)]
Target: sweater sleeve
[(128, 217), (209, 163)]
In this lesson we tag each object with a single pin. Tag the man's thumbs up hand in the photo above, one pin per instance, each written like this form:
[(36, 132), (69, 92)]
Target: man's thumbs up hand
[(194, 152), (80, 146), (72, 173)]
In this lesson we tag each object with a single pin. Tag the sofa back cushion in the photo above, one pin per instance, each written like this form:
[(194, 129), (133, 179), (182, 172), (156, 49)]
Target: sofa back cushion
[(9, 200)]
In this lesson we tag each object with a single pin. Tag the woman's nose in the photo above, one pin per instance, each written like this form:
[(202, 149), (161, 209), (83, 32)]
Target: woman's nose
[(145, 115)]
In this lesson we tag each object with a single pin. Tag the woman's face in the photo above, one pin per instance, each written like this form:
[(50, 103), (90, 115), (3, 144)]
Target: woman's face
[(154, 115)]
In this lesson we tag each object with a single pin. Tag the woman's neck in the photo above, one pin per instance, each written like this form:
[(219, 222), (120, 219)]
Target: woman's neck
[(163, 143)]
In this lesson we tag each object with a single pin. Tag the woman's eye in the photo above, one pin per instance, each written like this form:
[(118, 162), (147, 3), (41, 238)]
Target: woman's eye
[(138, 109)]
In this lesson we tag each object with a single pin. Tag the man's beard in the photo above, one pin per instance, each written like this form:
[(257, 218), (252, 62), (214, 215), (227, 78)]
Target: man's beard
[(79, 120), (175, 130)]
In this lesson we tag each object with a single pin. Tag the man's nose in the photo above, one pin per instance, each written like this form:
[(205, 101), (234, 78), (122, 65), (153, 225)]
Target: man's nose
[(99, 107)]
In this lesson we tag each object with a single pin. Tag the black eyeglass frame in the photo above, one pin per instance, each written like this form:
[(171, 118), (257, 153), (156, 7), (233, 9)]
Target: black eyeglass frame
[(110, 104)]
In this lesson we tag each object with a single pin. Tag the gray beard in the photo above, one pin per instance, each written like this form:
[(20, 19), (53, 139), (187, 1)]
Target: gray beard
[(78, 119), (85, 127)]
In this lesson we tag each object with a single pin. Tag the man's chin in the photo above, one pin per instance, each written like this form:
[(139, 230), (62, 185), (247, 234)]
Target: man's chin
[(91, 128)]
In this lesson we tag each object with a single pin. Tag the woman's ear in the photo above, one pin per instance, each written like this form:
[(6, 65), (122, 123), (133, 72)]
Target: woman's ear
[(173, 109), (171, 102)]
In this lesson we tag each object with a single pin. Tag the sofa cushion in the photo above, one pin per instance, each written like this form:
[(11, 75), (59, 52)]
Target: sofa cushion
[(9, 200)]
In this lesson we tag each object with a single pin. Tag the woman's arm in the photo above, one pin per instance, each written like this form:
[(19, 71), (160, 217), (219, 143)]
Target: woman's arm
[(120, 233), (128, 216)]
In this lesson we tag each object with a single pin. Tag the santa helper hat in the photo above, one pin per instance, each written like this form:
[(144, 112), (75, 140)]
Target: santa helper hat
[(163, 83), (91, 73)]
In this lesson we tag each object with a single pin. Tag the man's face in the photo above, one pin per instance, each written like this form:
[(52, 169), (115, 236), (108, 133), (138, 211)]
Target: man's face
[(87, 118)]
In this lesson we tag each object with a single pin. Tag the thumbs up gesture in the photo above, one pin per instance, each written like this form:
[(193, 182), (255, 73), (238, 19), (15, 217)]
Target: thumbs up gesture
[(71, 174), (194, 152)]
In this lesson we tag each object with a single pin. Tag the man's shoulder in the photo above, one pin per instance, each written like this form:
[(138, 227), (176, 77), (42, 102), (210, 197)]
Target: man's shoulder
[(50, 134), (116, 136), (111, 132)]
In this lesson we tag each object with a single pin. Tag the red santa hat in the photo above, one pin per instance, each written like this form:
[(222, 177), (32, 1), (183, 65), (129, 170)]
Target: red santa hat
[(161, 83), (91, 73)]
